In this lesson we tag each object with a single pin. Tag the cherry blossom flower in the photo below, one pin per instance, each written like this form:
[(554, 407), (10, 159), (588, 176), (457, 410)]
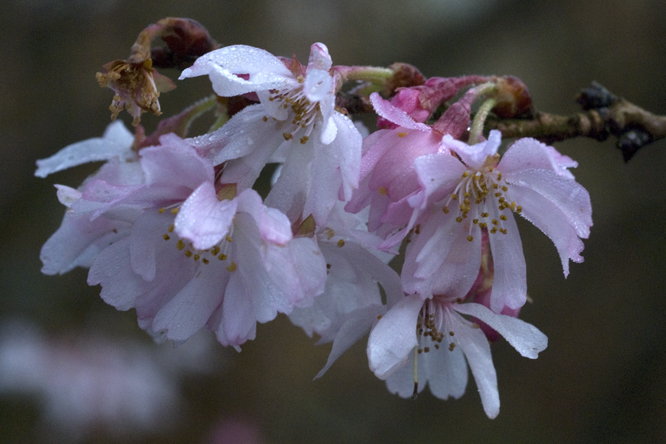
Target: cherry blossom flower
[(351, 301), (222, 263), (479, 192), (80, 238), (295, 123), (434, 332)]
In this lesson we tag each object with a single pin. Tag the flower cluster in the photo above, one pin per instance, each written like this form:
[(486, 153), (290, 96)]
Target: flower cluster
[(171, 226)]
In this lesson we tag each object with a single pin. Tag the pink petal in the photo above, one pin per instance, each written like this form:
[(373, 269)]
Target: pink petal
[(175, 165), (319, 58), (386, 110), (552, 222), (111, 268), (203, 219), (193, 306), (238, 320), (510, 284), (567, 195), (273, 225)]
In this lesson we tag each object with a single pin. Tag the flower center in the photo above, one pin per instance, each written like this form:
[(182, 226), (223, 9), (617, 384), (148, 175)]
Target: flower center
[(303, 111), (484, 196), (429, 325)]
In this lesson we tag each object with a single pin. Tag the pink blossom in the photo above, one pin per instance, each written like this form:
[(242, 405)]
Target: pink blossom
[(460, 199), (295, 123), (434, 331)]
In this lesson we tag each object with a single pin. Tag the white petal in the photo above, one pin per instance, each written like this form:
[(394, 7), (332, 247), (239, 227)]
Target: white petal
[(116, 142), (401, 381), (67, 195), (477, 352), (224, 65), (475, 155), (525, 338), (357, 324), (446, 370), (394, 337)]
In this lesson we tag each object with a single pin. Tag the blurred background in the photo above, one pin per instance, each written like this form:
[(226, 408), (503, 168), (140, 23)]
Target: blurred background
[(76, 370)]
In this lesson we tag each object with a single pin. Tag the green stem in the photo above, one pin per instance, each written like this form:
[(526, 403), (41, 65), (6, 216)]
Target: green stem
[(479, 121)]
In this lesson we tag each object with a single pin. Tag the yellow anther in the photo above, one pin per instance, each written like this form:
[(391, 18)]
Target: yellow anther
[(495, 222), (287, 136), (228, 238), (499, 175), (265, 119), (504, 188), (484, 214), (503, 217), (383, 191), (503, 230), (454, 196), (452, 346), (232, 266), (205, 261), (222, 257), (466, 174), (470, 238), (171, 227), (519, 209), (166, 236), (341, 243), (402, 135), (475, 221), (161, 210), (498, 194), (174, 211), (215, 250), (304, 139), (493, 230), (513, 206), (459, 219), (180, 245), (445, 210), (188, 253)]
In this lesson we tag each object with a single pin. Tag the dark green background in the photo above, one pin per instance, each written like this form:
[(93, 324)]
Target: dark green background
[(602, 378)]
